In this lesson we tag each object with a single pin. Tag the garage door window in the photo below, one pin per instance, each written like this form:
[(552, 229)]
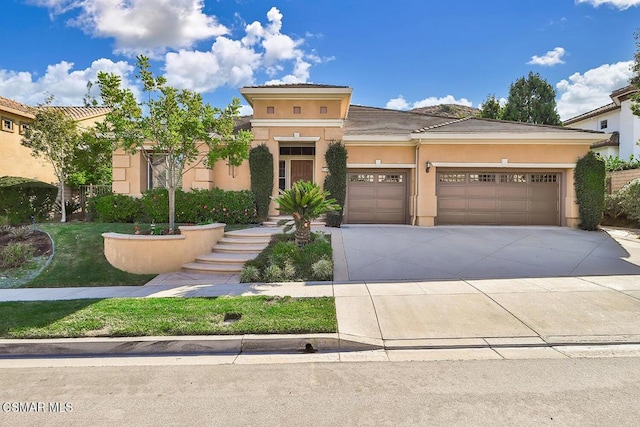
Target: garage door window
[(513, 178), (386, 178), (482, 177), (360, 178), (452, 177), (544, 178)]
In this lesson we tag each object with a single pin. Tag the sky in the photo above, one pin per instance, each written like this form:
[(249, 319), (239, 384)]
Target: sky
[(398, 54)]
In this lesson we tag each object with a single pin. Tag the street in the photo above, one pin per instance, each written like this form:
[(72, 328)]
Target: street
[(189, 390)]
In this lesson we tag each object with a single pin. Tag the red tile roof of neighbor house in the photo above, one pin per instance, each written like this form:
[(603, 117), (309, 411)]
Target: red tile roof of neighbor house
[(76, 113), (16, 106), (81, 113)]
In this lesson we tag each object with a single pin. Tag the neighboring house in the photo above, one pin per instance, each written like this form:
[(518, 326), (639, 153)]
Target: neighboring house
[(615, 118), (15, 159), (403, 167)]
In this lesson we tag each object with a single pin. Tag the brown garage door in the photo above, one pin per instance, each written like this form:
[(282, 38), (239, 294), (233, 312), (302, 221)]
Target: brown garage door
[(501, 198), (377, 197)]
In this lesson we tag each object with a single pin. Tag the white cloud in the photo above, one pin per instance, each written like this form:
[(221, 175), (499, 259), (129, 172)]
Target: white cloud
[(552, 57), (141, 26), (67, 85), (584, 92), (400, 103), (619, 4), (245, 110), (235, 62)]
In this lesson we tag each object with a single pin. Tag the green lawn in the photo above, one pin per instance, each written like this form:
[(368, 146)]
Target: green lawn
[(79, 259), (166, 316)]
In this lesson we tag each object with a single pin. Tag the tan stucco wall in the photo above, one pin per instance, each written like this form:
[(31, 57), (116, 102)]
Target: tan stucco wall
[(16, 160), (309, 109), (160, 254)]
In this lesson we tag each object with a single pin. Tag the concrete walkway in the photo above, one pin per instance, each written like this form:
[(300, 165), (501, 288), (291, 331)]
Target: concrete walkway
[(506, 287)]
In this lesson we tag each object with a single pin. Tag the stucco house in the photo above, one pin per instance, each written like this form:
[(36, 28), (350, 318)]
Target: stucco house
[(15, 159), (615, 118), (403, 167)]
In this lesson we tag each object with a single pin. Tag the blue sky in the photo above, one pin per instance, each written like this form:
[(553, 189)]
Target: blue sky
[(397, 54)]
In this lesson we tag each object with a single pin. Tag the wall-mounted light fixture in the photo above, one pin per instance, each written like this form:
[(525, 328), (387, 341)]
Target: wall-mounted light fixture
[(428, 166)]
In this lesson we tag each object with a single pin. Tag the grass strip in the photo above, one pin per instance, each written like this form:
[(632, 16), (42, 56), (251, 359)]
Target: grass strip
[(129, 317)]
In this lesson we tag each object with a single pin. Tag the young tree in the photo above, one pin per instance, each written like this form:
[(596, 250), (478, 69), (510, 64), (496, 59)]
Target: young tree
[(635, 78), (54, 136), (532, 100), (491, 108), (175, 122)]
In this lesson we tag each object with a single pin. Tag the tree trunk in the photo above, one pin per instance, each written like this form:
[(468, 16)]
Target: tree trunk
[(303, 232), (63, 209), (172, 207)]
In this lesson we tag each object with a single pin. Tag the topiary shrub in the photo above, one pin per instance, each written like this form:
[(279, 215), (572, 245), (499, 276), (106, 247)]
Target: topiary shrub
[(24, 198), (336, 181), (589, 181), (261, 168)]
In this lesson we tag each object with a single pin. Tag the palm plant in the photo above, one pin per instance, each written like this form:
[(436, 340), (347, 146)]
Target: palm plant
[(305, 201)]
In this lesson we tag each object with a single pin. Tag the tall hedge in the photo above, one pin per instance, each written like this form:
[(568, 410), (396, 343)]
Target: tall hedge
[(23, 198), (336, 181), (261, 168), (589, 181)]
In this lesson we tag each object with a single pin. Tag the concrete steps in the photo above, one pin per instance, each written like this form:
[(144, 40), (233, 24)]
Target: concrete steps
[(231, 252)]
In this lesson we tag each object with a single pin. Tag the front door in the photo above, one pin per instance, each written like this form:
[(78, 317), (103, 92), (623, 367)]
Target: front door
[(301, 170)]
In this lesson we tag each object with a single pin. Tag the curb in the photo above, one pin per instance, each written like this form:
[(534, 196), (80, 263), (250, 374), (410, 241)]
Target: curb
[(310, 343)]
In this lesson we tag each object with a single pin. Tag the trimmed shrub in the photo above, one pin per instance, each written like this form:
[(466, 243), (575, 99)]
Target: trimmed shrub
[(261, 168), (589, 179), (336, 181), (272, 273), (24, 198), (118, 208), (630, 200), (613, 205)]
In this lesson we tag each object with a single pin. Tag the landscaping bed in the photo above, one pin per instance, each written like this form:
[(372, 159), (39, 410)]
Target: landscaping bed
[(128, 317)]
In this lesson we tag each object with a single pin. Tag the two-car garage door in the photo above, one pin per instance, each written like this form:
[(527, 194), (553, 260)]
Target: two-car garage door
[(501, 198), (463, 197)]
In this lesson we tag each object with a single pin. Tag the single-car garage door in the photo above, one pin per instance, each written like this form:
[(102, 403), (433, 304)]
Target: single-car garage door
[(375, 197), (501, 198)]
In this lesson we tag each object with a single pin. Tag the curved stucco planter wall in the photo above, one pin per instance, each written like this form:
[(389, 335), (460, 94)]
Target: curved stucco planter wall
[(141, 254)]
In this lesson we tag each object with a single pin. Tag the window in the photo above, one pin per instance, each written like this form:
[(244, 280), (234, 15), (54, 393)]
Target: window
[(517, 178), (282, 175), (7, 124), (23, 127), (323, 110), (158, 171), (452, 177), (544, 178), (390, 178), (482, 177), (297, 151), (297, 110), (271, 110), (604, 124), (360, 177)]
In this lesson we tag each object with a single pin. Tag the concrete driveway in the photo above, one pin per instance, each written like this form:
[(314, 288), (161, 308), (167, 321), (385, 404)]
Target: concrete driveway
[(396, 253)]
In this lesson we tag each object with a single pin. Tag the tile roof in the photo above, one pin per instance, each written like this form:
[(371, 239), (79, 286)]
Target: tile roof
[(15, 105), (80, 113), (595, 112), (613, 141), (479, 125), (381, 121)]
